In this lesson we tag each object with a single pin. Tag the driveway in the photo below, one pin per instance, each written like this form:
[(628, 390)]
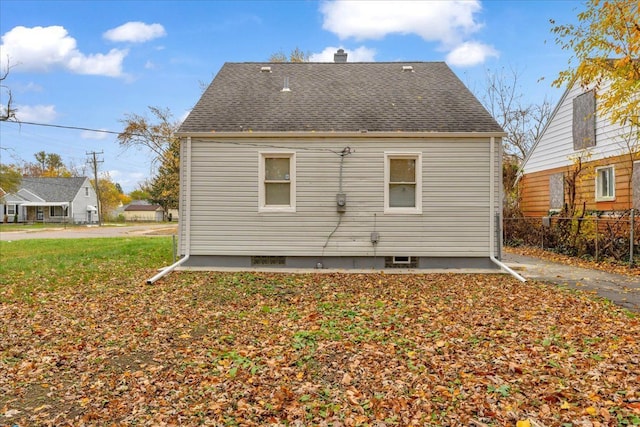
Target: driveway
[(621, 290), (77, 232)]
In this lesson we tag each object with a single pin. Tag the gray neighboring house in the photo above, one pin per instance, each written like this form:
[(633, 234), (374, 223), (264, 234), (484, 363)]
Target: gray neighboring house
[(52, 200), (340, 165)]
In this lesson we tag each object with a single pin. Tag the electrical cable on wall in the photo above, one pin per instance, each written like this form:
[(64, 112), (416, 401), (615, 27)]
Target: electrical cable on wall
[(345, 152)]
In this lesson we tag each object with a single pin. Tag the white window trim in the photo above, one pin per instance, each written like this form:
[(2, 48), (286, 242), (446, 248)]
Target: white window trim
[(11, 209), (599, 197), (292, 180), (403, 155)]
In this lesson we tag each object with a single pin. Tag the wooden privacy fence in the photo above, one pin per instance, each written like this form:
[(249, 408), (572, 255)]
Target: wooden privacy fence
[(614, 237)]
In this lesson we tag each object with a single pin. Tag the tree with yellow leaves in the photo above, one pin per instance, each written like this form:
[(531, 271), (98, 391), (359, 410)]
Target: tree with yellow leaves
[(606, 51), (606, 55)]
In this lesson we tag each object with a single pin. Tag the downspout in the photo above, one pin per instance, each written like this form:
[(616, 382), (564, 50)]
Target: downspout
[(492, 222), (187, 218)]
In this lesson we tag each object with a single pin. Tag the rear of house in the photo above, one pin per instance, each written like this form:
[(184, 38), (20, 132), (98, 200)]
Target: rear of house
[(345, 165)]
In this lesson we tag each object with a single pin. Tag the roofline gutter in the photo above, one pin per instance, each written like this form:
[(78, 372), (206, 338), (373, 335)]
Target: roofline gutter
[(492, 222), (187, 218), (340, 134)]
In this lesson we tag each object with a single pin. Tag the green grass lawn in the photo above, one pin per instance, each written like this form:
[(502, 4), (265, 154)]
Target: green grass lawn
[(84, 341), (20, 226), (29, 267)]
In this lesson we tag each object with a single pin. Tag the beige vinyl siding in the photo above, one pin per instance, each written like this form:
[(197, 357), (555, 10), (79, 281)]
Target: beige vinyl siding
[(555, 147), (455, 199)]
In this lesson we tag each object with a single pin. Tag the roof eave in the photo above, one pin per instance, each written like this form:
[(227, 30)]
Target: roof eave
[(339, 134)]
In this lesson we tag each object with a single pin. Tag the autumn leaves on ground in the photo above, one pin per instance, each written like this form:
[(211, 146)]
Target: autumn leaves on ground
[(84, 341)]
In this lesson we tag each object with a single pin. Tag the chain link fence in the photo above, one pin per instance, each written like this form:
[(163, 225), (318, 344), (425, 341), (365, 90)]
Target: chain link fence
[(615, 237)]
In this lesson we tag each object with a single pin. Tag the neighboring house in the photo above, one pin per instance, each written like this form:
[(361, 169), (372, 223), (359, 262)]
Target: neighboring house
[(52, 200), (339, 165), (606, 153), (143, 212)]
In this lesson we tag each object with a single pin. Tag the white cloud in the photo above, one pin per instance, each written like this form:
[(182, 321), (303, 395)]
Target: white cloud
[(361, 54), (98, 136), (46, 48), (443, 21), (128, 180), (150, 65), (470, 53), (99, 64), (135, 32), (448, 23), (36, 113)]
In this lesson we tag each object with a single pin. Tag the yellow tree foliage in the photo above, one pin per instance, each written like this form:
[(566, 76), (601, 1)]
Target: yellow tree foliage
[(109, 195), (10, 178), (296, 55), (606, 51)]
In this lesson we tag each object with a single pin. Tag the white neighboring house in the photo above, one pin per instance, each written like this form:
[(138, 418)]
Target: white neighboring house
[(608, 152), (52, 200)]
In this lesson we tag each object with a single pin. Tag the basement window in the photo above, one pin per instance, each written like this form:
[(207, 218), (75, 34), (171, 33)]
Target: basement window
[(268, 260), (400, 262)]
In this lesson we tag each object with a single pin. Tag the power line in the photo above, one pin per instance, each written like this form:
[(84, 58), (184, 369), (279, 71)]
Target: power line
[(68, 127), (312, 150)]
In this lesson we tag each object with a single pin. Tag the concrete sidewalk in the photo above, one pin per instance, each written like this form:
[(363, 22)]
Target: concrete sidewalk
[(621, 290)]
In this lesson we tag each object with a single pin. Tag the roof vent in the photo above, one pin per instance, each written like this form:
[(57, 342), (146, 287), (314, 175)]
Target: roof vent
[(340, 56), (285, 87), (407, 68), (265, 69)]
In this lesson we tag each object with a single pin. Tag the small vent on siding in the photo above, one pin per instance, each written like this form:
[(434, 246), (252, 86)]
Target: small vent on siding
[(400, 262), (268, 260)]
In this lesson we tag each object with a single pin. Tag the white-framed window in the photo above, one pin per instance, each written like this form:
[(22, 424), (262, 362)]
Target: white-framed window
[(605, 184), (86, 191), (277, 186), (11, 209), (403, 183), (57, 211)]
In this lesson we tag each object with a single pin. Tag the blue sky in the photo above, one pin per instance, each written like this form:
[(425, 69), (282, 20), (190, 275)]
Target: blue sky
[(90, 63)]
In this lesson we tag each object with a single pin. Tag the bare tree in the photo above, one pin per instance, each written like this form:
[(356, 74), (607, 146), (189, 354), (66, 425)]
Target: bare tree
[(155, 135), (7, 112), (523, 122), (296, 55)]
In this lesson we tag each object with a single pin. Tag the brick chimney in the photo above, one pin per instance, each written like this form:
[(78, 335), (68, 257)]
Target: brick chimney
[(340, 56)]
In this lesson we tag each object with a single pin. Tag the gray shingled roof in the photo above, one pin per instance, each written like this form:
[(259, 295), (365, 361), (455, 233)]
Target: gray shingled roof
[(378, 97), (53, 189)]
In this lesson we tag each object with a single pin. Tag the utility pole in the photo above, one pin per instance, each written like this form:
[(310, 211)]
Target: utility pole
[(95, 162)]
